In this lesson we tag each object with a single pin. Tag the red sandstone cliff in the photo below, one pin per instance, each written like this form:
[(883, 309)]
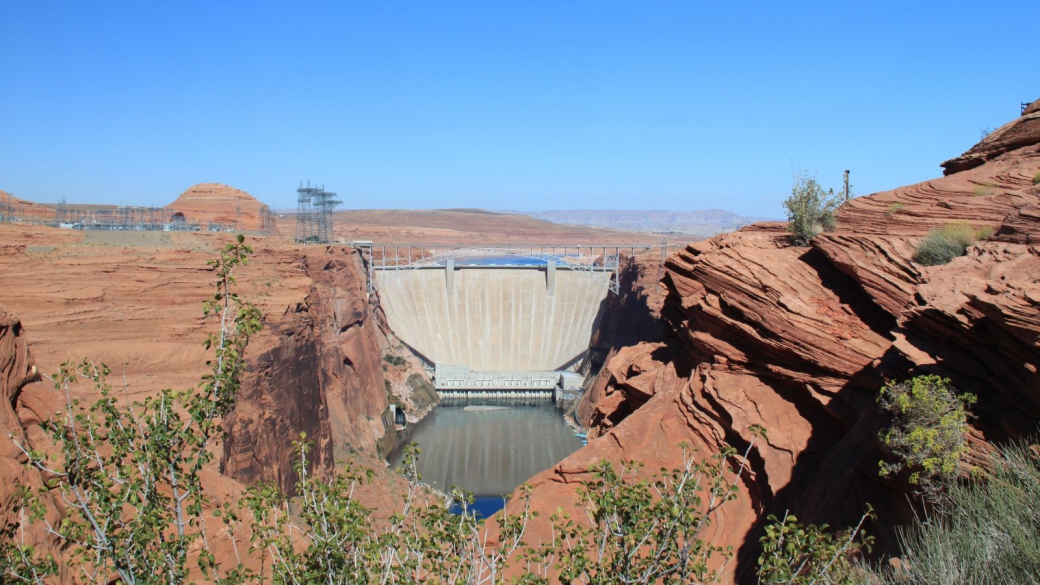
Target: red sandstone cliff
[(316, 369), (799, 340)]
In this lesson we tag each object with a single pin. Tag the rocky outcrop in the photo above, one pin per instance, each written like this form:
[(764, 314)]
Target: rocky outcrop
[(315, 369), (799, 341), (627, 319), (136, 304), (1011, 136), (17, 371), (221, 204)]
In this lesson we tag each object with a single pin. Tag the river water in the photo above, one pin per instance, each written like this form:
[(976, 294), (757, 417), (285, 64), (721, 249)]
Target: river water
[(488, 447)]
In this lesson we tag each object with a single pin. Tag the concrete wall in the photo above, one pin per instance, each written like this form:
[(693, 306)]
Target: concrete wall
[(496, 319)]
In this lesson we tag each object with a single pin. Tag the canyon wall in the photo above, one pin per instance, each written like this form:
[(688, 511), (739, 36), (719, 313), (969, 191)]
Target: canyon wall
[(800, 340), (133, 300), (314, 369)]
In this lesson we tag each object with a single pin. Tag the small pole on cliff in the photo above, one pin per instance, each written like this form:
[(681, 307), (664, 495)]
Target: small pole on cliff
[(846, 185)]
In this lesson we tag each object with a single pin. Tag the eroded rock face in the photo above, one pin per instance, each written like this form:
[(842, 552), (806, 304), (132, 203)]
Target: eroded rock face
[(628, 319), (17, 372), (315, 369), (800, 340), (1024, 131)]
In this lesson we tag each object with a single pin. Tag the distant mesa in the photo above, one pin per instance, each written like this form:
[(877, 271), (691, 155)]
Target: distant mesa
[(702, 223), (215, 204)]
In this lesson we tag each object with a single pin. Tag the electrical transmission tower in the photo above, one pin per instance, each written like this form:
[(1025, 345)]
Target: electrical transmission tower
[(314, 207)]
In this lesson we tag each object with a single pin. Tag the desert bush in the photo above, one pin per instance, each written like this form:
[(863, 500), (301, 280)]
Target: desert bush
[(942, 245), (634, 530), (895, 207), (644, 530), (810, 210), (393, 360), (929, 421), (1036, 179), (803, 554), (987, 532)]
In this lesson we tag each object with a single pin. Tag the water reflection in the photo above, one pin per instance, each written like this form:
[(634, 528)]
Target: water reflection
[(489, 448)]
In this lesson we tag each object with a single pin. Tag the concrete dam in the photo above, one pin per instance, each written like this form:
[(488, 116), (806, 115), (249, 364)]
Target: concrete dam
[(502, 327)]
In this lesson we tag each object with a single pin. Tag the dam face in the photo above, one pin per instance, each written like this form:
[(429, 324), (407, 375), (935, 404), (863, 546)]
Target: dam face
[(516, 319)]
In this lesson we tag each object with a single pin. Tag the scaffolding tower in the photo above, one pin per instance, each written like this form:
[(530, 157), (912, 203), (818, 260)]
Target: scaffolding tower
[(266, 221), (314, 207), (6, 211)]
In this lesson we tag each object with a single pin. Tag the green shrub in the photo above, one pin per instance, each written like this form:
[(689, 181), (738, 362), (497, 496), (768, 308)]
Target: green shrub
[(989, 532), (942, 245), (810, 210), (895, 207), (1036, 179), (804, 554), (929, 421), (643, 529)]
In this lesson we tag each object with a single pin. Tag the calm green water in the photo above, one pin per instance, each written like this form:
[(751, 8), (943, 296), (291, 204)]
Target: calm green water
[(489, 448)]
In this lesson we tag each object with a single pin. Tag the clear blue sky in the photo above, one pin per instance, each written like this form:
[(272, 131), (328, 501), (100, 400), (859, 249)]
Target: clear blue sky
[(503, 105)]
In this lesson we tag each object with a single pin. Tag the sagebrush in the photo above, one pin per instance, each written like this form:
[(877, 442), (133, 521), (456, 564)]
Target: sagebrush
[(942, 245), (988, 531)]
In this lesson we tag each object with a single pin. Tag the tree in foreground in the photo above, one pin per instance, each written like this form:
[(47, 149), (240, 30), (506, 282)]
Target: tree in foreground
[(635, 530), (127, 475)]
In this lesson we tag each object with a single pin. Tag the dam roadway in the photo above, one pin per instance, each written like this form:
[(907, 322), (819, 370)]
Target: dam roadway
[(509, 319)]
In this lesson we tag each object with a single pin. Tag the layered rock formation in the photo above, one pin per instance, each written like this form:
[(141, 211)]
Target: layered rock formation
[(221, 204), (800, 340)]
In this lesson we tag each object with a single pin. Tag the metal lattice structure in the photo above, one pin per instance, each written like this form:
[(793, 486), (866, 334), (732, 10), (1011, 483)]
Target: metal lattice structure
[(267, 224), (314, 206)]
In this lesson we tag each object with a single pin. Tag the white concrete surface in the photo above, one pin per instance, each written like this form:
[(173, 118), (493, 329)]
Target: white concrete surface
[(500, 320)]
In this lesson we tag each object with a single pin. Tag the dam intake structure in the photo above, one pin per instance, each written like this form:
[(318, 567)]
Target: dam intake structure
[(495, 319)]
